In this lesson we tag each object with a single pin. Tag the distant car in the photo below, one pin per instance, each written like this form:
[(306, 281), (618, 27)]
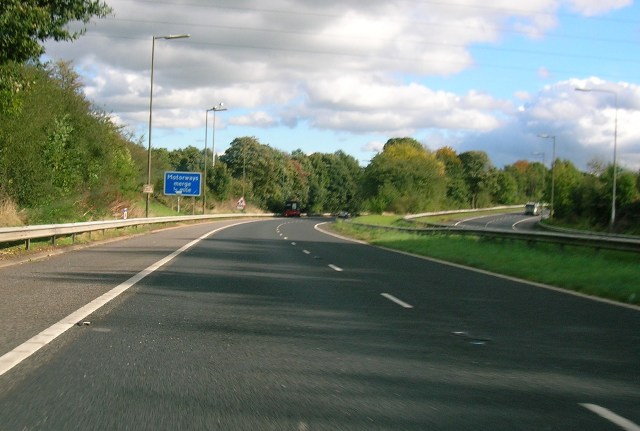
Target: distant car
[(532, 208), (291, 209), (344, 214)]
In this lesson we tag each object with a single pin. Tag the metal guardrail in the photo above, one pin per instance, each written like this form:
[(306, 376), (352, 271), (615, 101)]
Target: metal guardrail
[(477, 210), (562, 239), (27, 233)]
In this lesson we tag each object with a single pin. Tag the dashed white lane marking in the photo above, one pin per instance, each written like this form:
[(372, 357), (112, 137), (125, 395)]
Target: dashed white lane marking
[(335, 268), (293, 243), (306, 251), (623, 423), (29, 347), (396, 300)]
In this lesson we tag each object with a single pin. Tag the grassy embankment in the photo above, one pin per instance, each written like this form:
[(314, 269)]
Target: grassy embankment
[(607, 274)]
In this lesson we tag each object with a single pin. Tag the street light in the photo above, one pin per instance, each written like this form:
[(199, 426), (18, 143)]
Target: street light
[(218, 107), (615, 145), (553, 172), (204, 188), (148, 187), (215, 109)]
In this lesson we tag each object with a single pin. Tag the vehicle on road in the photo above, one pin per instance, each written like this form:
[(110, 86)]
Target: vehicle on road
[(291, 209), (532, 208), (344, 214)]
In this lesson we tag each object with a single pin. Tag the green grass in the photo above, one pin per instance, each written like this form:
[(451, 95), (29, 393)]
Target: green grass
[(379, 220), (607, 274)]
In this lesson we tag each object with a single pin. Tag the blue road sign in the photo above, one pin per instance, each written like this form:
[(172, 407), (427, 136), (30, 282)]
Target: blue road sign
[(182, 183)]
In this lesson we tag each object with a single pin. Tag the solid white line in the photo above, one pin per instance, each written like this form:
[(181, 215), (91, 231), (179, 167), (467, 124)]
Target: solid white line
[(29, 347), (482, 271), (515, 225), (471, 218), (396, 300), (623, 423), (335, 268)]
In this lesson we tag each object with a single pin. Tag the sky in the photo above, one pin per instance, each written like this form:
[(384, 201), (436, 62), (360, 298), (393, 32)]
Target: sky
[(321, 76)]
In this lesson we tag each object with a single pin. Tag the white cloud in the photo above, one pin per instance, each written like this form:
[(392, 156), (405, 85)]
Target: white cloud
[(583, 124), (596, 7), (373, 146), (255, 119), (346, 67)]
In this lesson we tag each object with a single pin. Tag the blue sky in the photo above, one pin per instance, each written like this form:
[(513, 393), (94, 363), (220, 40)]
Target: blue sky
[(349, 75)]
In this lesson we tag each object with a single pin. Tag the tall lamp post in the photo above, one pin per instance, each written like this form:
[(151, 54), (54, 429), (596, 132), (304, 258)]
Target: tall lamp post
[(553, 171), (148, 187), (615, 145), (204, 188), (218, 107)]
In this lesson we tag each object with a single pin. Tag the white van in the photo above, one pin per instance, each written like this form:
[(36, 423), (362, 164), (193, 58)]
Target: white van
[(532, 208)]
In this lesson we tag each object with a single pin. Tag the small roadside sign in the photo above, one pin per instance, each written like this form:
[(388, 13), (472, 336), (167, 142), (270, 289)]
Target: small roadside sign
[(147, 188), (182, 183)]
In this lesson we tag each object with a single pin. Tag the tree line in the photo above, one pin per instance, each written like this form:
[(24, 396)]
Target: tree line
[(61, 159)]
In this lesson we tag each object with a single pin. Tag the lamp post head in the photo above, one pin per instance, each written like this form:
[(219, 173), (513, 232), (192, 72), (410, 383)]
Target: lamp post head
[(216, 108), (545, 136), (598, 90), (174, 36)]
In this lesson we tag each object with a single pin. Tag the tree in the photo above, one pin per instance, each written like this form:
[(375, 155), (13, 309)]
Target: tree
[(187, 159), (219, 181), (26, 24), (476, 166), (567, 182), (457, 190), (506, 192), (405, 177), (61, 153), (258, 170)]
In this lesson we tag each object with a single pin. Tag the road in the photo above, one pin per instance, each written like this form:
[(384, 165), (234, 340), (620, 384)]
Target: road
[(507, 221), (275, 325)]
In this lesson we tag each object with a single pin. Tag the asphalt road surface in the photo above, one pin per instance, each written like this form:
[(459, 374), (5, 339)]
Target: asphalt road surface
[(507, 221), (274, 325)]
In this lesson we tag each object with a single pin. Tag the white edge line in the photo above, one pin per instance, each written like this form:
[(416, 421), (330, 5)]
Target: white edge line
[(471, 218), (623, 423), (482, 271), (29, 347), (396, 300), (514, 226)]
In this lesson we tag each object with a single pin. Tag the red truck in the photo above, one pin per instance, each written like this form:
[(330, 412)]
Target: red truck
[(291, 209)]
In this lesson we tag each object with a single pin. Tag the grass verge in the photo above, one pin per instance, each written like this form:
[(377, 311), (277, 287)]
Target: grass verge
[(607, 274)]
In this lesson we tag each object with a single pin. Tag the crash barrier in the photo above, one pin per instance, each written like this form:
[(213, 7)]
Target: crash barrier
[(629, 244), (53, 231)]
